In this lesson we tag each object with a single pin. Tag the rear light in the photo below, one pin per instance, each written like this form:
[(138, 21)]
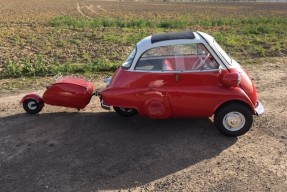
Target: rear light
[(231, 79)]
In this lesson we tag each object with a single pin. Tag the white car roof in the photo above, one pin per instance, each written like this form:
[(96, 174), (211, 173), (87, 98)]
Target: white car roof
[(165, 39), (174, 38)]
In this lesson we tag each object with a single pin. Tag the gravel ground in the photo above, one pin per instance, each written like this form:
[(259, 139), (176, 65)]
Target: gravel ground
[(61, 149), (64, 150)]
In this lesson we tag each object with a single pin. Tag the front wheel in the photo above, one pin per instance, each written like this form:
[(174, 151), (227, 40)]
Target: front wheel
[(233, 120), (127, 112), (32, 106)]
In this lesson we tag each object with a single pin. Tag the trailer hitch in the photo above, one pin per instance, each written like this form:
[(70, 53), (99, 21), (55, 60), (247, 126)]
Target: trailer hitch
[(97, 93)]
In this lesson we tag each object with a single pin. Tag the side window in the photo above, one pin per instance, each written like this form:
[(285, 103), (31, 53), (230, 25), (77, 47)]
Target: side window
[(152, 59), (205, 61), (186, 57)]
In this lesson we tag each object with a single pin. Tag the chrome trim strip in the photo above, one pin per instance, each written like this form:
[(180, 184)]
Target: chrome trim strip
[(104, 106), (259, 109), (108, 81), (177, 71), (238, 78)]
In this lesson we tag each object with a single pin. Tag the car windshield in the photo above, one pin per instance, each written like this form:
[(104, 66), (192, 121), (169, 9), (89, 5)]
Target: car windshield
[(222, 53), (127, 64)]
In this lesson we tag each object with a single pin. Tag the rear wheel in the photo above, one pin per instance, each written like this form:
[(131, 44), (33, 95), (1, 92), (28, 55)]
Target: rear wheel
[(233, 120), (127, 112), (32, 106)]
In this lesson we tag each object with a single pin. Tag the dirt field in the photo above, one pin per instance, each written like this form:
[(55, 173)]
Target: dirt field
[(95, 150), (64, 150), (25, 33), (19, 11)]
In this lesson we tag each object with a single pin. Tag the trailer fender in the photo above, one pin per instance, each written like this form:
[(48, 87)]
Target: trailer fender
[(32, 96)]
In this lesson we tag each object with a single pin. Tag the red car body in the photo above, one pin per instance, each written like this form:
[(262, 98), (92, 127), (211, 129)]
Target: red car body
[(164, 95), (185, 90)]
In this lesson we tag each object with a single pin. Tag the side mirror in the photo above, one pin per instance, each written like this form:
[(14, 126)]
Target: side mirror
[(231, 79)]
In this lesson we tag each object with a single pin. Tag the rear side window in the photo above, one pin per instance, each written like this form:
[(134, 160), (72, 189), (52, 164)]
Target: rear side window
[(223, 53), (187, 57), (127, 64)]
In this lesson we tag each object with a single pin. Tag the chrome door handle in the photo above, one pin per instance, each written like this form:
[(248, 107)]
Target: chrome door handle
[(176, 77)]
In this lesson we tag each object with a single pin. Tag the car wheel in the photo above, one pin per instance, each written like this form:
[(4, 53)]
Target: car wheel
[(32, 106), (233, 120), (127, 112)]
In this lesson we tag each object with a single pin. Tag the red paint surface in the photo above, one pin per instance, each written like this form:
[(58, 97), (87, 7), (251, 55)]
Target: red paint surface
[(32, 96), (248, 86), (69, 92), (178, 94)]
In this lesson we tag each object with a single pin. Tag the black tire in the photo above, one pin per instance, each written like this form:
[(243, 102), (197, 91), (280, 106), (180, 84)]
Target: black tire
[(32, 106), (127, 112), (233, 119)]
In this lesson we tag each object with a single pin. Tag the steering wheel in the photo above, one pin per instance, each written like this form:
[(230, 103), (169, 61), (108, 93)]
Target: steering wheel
[(201, 62)]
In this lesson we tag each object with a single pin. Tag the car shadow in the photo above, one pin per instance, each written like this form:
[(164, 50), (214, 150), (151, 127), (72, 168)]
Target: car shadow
[(100, 151)]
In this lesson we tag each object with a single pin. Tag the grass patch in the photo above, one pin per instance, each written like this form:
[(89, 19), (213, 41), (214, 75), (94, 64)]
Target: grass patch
[(238, 35), (40, 68), (260, 24), (100, 44)]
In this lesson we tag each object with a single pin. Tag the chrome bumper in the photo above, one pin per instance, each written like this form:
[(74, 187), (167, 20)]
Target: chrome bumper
[(108, 81), (104, 106), (259, 108)]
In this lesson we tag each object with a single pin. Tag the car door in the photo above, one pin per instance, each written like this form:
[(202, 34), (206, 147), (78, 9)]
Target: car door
[(150, 80), (192, 86), (193, 93)]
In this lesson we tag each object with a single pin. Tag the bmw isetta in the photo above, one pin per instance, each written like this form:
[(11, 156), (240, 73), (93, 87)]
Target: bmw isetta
[(184, 74), (179, 74)]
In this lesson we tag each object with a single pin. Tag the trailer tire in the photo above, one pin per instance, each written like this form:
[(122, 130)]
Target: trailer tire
[(32, 106)]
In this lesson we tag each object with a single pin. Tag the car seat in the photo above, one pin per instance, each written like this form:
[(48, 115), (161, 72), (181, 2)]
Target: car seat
[(167, 65)]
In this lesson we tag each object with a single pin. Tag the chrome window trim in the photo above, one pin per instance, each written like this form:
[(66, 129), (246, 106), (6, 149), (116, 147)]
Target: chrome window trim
[(176, 71)]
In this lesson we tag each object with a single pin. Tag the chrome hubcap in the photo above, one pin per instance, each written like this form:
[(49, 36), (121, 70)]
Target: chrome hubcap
[(233, 121), (32, 105)]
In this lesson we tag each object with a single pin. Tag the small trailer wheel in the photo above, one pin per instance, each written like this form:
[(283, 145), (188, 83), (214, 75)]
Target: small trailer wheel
[(32, 106)]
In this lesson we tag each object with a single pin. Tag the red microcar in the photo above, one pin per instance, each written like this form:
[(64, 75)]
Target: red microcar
[(184, 74)]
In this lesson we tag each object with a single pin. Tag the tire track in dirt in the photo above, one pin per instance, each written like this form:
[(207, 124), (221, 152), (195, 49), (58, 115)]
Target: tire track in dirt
[(91, 8), (80, 11), (100, 7), (16, 24)]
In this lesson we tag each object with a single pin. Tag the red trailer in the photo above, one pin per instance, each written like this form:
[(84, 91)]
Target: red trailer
[(67, 91)]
